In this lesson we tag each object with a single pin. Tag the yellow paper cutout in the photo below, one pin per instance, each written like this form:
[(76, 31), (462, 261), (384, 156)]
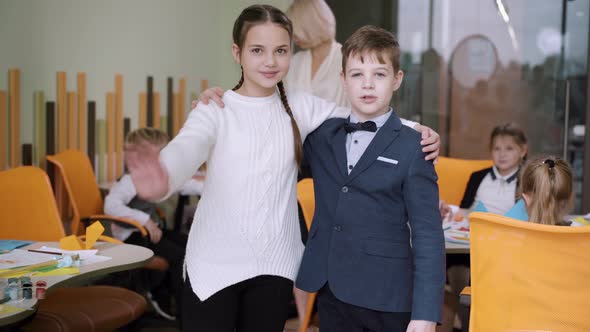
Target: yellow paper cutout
[(93, 233), (72, 242)]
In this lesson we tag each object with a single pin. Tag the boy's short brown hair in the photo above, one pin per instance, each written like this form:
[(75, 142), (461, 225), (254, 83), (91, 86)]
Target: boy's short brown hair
[(372, 39), (147, 135)]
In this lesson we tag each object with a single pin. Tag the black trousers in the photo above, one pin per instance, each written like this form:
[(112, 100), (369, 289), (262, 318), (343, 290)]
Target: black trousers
[(172, 247), (338, 316), (259, 304)]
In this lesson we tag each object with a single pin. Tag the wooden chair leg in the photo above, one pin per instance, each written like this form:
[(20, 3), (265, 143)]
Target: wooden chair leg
[(308, 312)]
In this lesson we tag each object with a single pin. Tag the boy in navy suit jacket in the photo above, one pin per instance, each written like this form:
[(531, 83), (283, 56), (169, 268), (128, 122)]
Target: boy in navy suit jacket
[(375, 251)]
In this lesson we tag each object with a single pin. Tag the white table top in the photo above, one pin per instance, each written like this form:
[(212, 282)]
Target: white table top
[(123, 257)]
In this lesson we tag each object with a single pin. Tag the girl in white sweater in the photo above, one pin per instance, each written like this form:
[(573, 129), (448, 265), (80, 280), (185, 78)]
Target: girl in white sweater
[(244, 247)]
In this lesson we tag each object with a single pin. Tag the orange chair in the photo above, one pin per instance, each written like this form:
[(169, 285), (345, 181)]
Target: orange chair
[(527, 276), (305, 196), (83, 191), (453, 175), (27, 203), (85, 198), (28, 207)]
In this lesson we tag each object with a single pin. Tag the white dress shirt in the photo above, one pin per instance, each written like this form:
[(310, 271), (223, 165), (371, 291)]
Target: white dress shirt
[(358, 141), (497, 192)]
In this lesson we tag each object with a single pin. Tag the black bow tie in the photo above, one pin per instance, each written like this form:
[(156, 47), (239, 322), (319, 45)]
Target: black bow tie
[(366, 126)]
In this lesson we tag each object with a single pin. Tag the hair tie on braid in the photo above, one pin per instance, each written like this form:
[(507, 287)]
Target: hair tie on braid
[(550, 163)]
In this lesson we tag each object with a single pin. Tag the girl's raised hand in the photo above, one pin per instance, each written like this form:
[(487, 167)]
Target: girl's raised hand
[(214, 93), (149, 176)]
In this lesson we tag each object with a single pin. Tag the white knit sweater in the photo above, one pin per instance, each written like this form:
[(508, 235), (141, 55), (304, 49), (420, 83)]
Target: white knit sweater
[(246, 222)]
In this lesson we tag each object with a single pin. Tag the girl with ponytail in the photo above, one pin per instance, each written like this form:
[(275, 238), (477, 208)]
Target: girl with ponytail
[(244, 248), (547, 189)]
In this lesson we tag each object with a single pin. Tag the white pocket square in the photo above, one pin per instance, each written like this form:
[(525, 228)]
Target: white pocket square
[(387, 160)]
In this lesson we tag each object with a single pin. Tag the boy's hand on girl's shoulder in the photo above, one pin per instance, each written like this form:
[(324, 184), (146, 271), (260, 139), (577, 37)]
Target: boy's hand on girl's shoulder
[(430, 141), (421, 326), (214, 93), (154, 231)]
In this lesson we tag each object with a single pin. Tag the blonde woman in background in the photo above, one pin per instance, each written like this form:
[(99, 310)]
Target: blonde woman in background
[(316, 68)]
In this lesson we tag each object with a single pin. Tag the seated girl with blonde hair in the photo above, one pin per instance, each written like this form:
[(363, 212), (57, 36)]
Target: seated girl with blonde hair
[(547, 191)]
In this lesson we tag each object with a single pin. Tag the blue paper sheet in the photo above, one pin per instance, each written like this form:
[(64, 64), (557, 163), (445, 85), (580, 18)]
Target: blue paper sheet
[(7, 245)]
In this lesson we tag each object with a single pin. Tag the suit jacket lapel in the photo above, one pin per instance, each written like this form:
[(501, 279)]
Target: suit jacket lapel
[(384, 137), (339, 150)]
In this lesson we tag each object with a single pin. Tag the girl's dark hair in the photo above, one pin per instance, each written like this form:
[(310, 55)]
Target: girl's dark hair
[(260, 14), (511, 130), (549, 183)]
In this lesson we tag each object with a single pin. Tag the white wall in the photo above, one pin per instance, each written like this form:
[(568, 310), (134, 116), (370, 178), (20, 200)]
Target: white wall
[(136, 38)]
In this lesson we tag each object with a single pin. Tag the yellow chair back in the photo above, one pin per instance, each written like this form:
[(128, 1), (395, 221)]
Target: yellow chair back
[(453, 175), (306, 199), (81, 186), (27, 206), (527, 276)]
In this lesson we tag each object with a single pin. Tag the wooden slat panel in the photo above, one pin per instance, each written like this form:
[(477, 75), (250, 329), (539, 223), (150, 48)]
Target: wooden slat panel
[(150, 102), (50, 144), (110, 157), (50, 137), (194, 96), (181, 103), (72, 121), (156, 110), (59, 133), (82, 113), (61, 112), (118, 125), (141, 120), (101, 147), (126, 128), (71, 136), (3, 130), (39, 132), (164, 123), (170, 107), (27, 153), (204, 85), (91, 135), (14, 100), (176, 114)]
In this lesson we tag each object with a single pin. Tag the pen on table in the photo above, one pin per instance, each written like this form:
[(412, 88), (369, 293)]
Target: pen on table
[(46, 252)]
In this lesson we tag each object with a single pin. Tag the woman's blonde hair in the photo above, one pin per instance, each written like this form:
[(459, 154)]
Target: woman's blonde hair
[(313, 21), (147, 135), (548, 182)]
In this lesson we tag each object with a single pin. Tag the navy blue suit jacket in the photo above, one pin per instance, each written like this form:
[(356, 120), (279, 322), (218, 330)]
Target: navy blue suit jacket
[(359, 241)]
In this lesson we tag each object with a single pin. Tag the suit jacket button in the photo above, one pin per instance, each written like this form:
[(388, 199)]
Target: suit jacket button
[(344, 189), (337, 228)]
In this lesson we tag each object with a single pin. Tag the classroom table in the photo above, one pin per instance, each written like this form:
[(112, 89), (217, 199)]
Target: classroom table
[(456, 248), (123, 257)]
